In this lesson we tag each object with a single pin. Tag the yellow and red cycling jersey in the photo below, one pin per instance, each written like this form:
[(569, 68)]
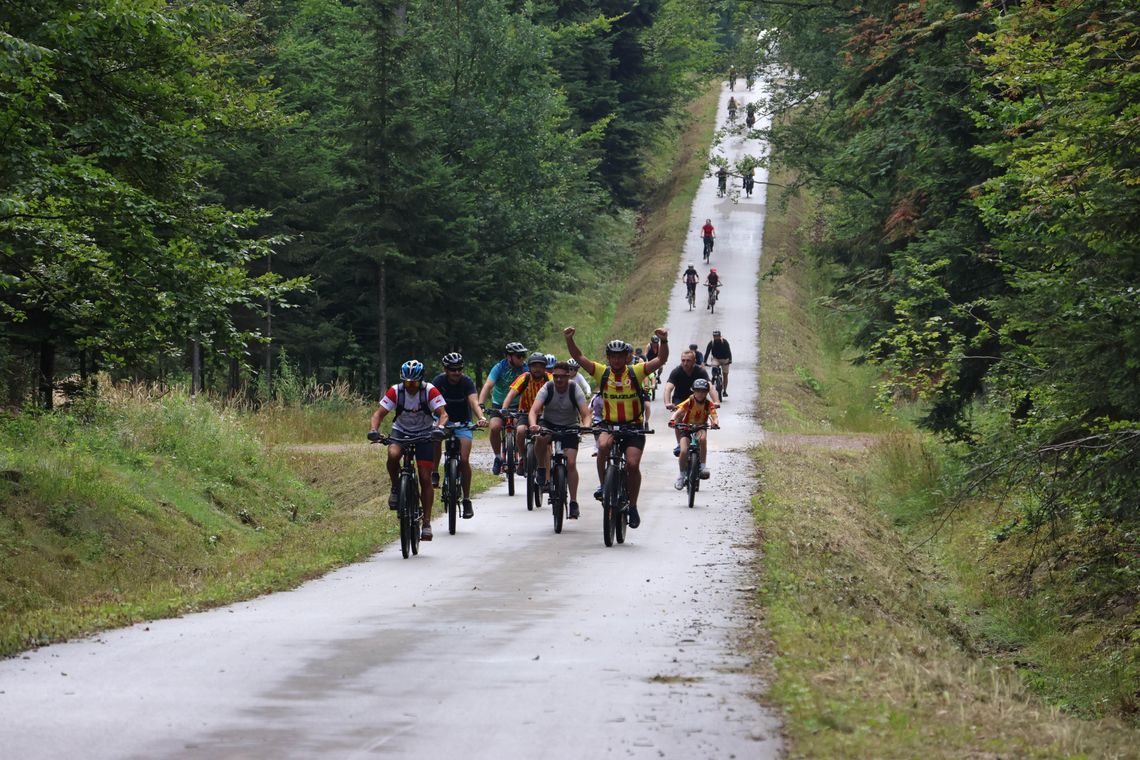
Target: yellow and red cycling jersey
[(695, 413), (620, 400), (527, 388)]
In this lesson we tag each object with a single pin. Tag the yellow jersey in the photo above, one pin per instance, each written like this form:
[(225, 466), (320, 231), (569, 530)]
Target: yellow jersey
[(696, 413), (620, 400), (527, 388)]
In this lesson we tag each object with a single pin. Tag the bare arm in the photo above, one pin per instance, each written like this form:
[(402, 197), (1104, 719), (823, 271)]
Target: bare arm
[(378, 415), (659, 360), (536, 408), (487, 386), (476, 408), (576, 353)]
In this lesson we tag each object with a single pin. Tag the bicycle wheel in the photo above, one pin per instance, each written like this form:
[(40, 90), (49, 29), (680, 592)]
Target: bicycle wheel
[(451, 490), (621, 517), (415, 516), (611, 496), (405, 510), (694, 474), (558, 498), (509, 461), (532, 492), (712, 304)]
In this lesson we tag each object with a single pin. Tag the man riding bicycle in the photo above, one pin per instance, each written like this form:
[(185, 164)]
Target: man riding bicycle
[(719, 354), (713, 284), (695, 410), (560, 406), (525, 388), (499, 380), (621, 387), (414, 402), (721, 182), (459, 393), (691, 276)]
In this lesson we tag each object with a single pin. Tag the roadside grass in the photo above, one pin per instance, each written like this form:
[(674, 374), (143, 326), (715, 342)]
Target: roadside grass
[(894, 635)]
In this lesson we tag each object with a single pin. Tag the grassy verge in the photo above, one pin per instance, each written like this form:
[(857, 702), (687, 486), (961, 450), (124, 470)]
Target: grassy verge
[(878, 647)]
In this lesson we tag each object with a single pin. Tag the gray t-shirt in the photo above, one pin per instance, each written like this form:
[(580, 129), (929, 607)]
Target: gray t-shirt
[(561, 408)]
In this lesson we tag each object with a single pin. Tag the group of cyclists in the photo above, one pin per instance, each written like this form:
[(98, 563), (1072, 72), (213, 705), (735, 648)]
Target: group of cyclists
[(556, 401)]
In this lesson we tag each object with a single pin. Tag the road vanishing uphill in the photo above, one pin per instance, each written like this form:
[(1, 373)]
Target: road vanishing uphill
[(502, 641)]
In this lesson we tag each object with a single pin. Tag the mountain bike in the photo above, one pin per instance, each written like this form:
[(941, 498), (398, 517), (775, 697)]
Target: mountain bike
[(693, 466), (615, 496), (533, 489), (510, 454), (452, 486), (708, 239), (408, 509), (713, 293), (691, 295), (717, 376), (560, 474)]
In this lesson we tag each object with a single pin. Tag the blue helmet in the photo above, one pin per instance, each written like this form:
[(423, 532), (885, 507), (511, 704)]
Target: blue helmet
[(411, 370), (551, 360)]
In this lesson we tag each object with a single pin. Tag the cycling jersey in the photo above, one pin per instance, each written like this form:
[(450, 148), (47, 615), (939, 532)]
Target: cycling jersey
[(527, 388), (692, 276), (502, 375), (413, 420), (456, 395), (719, 350), (707, 230), (696, 413), (621, 401)]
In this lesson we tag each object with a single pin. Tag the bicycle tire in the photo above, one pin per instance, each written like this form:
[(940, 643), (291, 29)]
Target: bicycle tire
[(415, 517), (451, 487), (694, 474), (558, 498), (509, 461), (532, 497), (621, 516), (405, 511), (610, 504)]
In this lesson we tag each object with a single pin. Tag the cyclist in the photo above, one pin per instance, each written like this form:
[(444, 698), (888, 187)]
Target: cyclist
[(691, 276), (732, 109), (721, 182), (459, 392), (525, 388), (708, 233), (653, 347), (499, 381), (414, 403), (697, 353), (713, 284), (719, 353), (621, 387), (560, 406), (695, 410), (732, 77), (577, 378), (749, 181)]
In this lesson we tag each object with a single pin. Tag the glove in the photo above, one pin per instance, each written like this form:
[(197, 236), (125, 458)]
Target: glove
[(374, 435), (438, 433), (672, 423)]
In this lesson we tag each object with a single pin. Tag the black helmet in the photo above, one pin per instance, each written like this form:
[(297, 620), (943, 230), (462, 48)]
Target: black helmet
[(536, 358), (454, 359)]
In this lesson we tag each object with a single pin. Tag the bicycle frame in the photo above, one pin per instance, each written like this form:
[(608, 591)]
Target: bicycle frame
[(452, 471), (409, 512), (615, 494)]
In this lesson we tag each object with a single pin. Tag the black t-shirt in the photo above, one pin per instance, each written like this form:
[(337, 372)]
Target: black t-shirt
[(683, 383), (455, 394), (719, 350)]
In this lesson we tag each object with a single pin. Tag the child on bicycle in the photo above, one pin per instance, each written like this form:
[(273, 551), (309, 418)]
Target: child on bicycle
[(697, 409)]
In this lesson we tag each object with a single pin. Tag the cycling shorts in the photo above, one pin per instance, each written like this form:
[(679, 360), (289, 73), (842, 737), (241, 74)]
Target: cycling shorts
[(569, 436), (464, 433), (425, 452)]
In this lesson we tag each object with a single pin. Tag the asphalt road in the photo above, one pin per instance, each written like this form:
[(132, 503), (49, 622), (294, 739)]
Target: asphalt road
[(502, 641)]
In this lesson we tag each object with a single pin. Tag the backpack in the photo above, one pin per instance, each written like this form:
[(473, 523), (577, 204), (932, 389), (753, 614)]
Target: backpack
[(574, 389), (401, 394)]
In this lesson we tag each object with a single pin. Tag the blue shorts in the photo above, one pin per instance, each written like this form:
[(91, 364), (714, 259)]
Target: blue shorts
[(464, 433)]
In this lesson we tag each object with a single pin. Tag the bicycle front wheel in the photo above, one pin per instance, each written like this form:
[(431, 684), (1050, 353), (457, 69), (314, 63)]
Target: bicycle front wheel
[(621, 516), (533, 494), (694, 475), (558, 498), (406, 512), (509, 461), (611, 503), (451, 489)]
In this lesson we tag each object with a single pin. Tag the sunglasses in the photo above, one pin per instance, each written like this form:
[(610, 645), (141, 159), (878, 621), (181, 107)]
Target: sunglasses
[(454, 369), (561, 377)]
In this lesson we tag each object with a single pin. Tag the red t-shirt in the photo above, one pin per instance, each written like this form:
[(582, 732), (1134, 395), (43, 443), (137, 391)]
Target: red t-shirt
[(707, 230)]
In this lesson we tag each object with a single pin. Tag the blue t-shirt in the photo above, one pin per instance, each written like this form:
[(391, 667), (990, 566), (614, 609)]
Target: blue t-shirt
[(455, 394), (502, 375)]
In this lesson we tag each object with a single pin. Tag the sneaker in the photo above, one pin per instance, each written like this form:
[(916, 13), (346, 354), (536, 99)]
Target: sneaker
[(425, 534), (724, 393), (598, 493), (573, 510), (680, 483), (497, 466), (704, 472), (468, 512), (434, 479), (677, 450), (634, 518), (394, 499), (540, 478)]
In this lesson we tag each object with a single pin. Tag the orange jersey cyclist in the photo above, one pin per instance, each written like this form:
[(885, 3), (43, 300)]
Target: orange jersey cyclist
[(621, 386), (525, 388), (697, 409)]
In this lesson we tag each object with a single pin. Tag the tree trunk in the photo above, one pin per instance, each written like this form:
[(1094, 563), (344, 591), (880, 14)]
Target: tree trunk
[(47, 375)]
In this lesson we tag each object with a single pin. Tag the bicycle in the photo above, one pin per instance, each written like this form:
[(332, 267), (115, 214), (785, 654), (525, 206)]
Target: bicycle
[(713, 293), (708, 239), (615, 498), (717, 375), (693, 470), (691, 295), (510, 457), (533, 489), (452, 487), (559, 474), (408, 509)]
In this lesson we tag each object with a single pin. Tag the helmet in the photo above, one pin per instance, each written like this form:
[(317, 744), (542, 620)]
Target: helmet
[(551, 360), (515, 348), (536, 358), (700, 384), (637, 360), (692, 346), (713, 270), (454, 359), (618, 347), (716, 333), (411, 370), (655, 339), (573, 363)]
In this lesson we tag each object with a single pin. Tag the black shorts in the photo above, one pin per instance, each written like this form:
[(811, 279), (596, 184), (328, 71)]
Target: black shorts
[(425, 452), (569, 436), (633, 442)]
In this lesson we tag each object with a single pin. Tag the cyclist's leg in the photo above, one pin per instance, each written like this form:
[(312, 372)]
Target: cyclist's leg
[(437, 455), (424, 465), (633, 470), (605, 441), (571, 467), (394, 452), (683, 442), (724, 375), (542, 449), (703, 437), (495, 433), (465, 464)]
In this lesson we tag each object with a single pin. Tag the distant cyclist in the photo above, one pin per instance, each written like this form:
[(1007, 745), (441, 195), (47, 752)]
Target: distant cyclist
[(719, 354), (732, 109), (525, 388), (713, 283), (459, 392), (691, 277), (700, 358), (721, 182), (732, 77), (708, 236), (414, 402), (499, 381)]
